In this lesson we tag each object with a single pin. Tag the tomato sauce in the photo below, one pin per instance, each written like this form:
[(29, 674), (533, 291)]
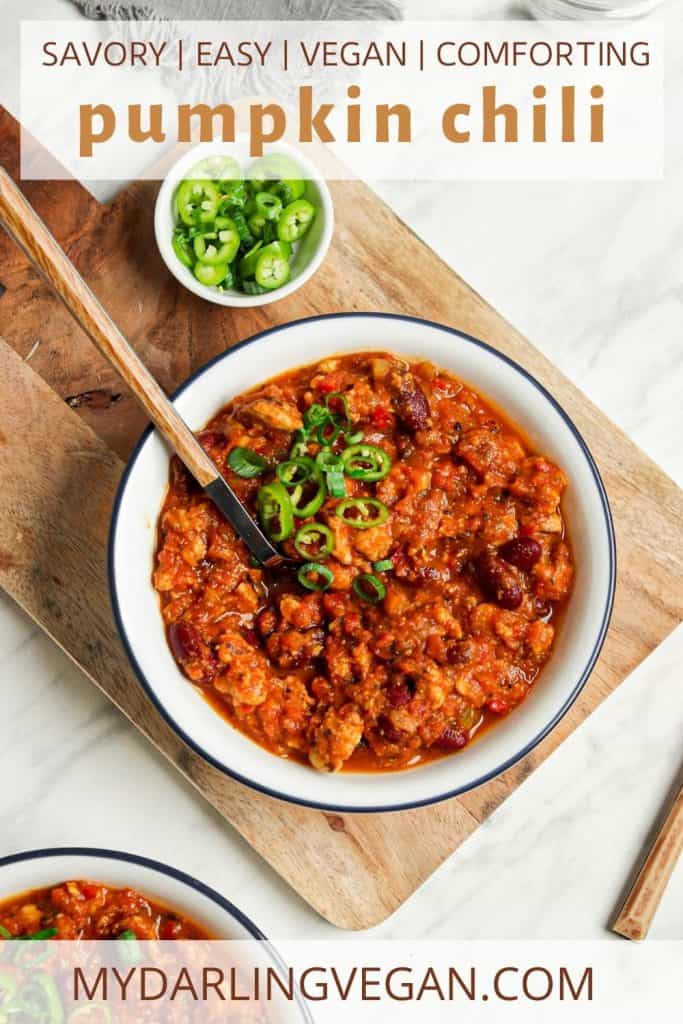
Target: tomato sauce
[(474, 571)]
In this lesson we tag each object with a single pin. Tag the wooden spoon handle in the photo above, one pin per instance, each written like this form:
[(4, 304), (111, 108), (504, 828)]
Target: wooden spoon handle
[(27, 229), (635, 917)]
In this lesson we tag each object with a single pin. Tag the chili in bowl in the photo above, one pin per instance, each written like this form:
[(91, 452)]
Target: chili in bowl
[(79, 893), (82, 899), (456, 565)]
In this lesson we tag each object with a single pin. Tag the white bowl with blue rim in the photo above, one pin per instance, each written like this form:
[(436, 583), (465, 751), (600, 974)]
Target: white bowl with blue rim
[(38, 869), (578, 642), (175, 890)]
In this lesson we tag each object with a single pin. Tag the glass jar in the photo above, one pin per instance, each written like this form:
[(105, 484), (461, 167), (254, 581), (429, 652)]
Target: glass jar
[(591, 9)]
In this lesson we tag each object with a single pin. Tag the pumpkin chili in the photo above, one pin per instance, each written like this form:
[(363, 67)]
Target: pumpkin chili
[(79, 909), (435, 565)]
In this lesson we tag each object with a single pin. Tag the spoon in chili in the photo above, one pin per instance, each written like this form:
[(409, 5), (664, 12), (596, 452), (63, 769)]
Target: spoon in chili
[(23, 224)]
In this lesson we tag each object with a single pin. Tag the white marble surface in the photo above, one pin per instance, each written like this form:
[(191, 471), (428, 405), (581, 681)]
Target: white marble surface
[(594, 275)]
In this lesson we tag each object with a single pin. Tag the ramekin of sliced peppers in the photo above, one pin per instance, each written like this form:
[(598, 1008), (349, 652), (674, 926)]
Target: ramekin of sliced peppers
[(326, 454), (243, 234)]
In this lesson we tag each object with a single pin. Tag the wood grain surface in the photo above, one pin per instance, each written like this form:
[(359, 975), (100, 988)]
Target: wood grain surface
[(640, 906), (25, 227), (353, 870)]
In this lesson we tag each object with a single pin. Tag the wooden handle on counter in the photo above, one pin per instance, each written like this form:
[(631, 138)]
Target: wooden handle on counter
[(635, 917), (27, 229)]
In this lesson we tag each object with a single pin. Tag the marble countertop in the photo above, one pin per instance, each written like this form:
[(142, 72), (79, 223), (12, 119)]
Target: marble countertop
[(593, 274)]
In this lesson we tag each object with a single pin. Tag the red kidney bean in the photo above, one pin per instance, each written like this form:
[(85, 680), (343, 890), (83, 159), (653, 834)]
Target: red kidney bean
[(457, 652), (498, 581), (522, 552), (398, 695), (251, 636), (387, 730), (451, 739), (267, 621), (412, 406), (211, 439), (498, 707), (184, 640)]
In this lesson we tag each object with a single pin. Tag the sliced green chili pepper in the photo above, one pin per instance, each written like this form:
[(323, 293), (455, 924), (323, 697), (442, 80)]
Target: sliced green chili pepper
[(304, 504), (247, 463), (5, 933), (211, 274), (328, 432), (284, 193), (360, 507), (276, 512), (237, 216), (329, 462), (315, 415), (338, 407), (310, 573), (275, 249), (233, 191), (289, 189), (295, 471), (274, 166), (272, 268), (256, 224), (336, 485), (300, 446), (366, 462), (45, 933), (369, 588), (333, 468), (218, 246), (182, 247), (384, 565), (130, 951), (197, 201), (354, 438), (219, 167), (314, 540), (295, 220), (248, 262), (268, 205), (270, 232)]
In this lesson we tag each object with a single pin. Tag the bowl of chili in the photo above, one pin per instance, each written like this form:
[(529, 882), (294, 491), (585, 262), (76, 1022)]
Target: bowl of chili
[(235, 237), (69, 893), (324, 484)]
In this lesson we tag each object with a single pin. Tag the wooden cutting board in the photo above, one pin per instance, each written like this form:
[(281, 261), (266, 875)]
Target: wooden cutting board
[(66, 419)]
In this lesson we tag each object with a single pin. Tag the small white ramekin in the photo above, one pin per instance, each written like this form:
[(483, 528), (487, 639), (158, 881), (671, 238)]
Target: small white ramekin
[(309, 254)]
